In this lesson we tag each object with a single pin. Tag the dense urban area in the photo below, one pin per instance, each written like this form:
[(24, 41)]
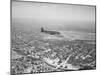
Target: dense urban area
[(35, 54)]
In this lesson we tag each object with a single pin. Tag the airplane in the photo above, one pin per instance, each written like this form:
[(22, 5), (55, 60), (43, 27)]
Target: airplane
[(49, 32)]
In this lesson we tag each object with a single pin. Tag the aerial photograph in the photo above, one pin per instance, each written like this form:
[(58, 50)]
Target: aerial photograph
[(52, 37)]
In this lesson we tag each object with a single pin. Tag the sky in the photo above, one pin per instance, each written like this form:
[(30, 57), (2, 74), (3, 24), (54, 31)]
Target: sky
[(53, 16)]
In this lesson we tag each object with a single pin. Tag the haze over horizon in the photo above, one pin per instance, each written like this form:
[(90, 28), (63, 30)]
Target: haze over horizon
[(53, 16)]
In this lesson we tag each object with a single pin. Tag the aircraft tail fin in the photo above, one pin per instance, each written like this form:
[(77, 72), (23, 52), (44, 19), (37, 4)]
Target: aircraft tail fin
[(42, 29)]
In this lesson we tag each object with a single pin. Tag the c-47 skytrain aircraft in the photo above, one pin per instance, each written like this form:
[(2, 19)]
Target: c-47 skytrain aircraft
[(49, 32)]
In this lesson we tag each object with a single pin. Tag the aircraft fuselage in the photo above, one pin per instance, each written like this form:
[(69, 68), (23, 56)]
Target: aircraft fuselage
[(49, 32)]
